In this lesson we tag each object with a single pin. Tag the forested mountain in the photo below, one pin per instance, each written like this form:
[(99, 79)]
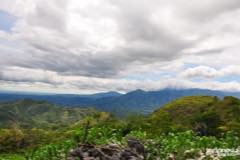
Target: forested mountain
[(60, 99), (137, 101), (207, 114), (140, 101), (29, 113), (39, 130)]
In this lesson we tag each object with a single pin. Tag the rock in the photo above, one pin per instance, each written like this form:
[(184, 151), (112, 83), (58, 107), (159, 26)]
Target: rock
[(137, 146), (134, 151)]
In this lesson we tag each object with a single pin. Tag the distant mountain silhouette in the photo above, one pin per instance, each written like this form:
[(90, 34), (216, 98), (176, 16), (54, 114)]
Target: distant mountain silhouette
[(138, 101)]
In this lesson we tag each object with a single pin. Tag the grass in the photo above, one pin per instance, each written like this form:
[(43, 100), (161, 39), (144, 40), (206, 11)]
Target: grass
[(11, 157)]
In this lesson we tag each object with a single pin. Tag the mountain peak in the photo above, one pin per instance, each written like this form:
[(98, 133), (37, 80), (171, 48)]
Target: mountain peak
[(138, 91), (106, 94)]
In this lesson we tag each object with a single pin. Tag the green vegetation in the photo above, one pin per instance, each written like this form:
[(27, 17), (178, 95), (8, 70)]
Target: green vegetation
[(206, 115), (182, 129), (28, 113)]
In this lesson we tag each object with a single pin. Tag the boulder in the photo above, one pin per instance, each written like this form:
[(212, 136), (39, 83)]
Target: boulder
[(134, 151)]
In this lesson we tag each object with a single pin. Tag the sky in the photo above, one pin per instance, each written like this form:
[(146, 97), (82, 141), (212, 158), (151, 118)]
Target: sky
[(70, 46)]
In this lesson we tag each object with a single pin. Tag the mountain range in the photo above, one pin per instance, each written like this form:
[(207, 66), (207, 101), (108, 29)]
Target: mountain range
[(29, 113), (138, 101)]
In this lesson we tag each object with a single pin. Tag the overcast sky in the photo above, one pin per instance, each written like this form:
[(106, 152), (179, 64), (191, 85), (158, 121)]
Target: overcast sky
[(86, 46)]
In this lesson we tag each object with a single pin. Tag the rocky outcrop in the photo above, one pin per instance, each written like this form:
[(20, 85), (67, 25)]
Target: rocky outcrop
[(134, 151)]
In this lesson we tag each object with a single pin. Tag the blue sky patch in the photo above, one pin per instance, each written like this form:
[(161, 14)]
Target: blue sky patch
[(7, 21), (150, 76), (229, 78)]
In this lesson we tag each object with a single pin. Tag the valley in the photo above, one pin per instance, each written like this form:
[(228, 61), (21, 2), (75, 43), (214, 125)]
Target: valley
[(182, 128)]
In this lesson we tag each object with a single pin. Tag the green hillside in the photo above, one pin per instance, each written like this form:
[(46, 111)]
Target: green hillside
[(37, 114), (205, 115), (180, 130)]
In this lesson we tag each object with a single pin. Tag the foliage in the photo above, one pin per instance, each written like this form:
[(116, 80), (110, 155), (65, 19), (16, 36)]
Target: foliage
[(57, 151), (206, 115), (183, 145), (186, 145), (12, 157), (183, 129), (28, 113)]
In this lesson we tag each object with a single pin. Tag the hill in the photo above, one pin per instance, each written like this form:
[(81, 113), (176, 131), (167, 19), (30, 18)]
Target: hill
[(145, 102), (29, 113), (60, 99), (206, 115), (183, 128), (137, 101)]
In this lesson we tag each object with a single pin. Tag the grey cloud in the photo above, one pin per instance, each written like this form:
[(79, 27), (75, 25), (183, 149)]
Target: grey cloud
[(49, 14), (206, 10), (16, 74), (145, 43), (209, 72), (50, 43)]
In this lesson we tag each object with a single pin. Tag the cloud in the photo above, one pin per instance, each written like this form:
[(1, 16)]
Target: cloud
[(208, 72), (200, 71), (47, 33), (16, 74), (89, 45)]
